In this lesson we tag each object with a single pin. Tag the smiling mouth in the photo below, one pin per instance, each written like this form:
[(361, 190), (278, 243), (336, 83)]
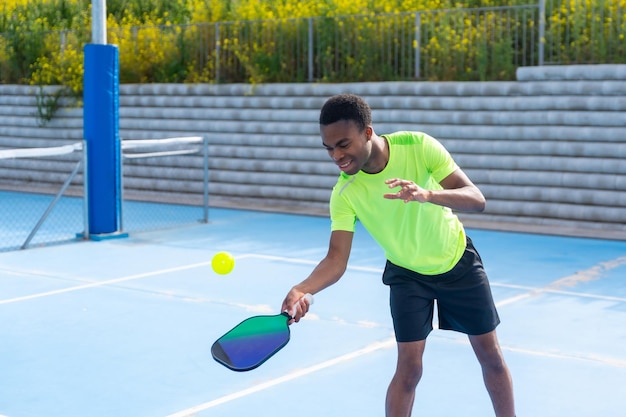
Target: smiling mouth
[(344, 165)]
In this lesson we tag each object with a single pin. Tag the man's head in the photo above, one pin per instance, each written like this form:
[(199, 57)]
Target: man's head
[(346, 130), (348, 107)]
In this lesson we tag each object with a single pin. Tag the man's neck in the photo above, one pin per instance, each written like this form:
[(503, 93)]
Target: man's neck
[(380, 155)]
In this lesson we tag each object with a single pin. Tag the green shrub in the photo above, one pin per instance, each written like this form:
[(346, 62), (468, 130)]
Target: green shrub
[(266, 41)]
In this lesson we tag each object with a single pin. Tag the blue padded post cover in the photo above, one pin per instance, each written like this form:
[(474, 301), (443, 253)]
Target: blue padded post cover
[(101, 132)]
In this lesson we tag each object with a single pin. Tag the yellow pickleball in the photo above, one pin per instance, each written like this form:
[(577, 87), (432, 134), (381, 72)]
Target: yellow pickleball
[(223, 263)]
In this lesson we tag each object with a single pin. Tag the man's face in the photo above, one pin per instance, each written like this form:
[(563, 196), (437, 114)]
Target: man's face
[(349, 148)]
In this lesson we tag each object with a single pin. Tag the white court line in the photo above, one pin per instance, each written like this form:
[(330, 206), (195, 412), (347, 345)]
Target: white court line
[(587, 275), (547, 290), (619, 363), (592, 273), (111, 281), (102, 283), (293, 375), (613, 362), (386, 344), (309, 262)]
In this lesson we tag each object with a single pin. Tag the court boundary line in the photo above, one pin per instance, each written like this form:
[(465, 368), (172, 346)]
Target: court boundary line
[(190, 412), (586, 275), (604, 360), (592, 273), (96, 284), (372, 347), (103, 283), (589, 274)]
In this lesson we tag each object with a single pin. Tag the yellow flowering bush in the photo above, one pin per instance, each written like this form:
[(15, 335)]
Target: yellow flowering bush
[(587, 31), (65, 68), (258, 41)]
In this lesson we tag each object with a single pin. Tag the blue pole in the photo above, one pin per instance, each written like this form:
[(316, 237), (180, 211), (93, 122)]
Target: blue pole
[(101, 132)]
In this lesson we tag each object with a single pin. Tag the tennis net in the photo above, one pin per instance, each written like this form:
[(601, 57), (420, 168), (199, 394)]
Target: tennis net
[(43, 201), (41, 195), (164, 182)]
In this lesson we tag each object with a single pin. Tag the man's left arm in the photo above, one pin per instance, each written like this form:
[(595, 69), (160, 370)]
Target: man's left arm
[(458, 193)]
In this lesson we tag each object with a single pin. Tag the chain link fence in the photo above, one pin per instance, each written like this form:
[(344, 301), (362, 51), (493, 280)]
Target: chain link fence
[(458, 44)]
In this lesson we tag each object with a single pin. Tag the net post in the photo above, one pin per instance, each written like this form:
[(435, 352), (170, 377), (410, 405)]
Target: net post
[(85, 234), (120, 221), (99, 22), (205, 182), (101, 131)]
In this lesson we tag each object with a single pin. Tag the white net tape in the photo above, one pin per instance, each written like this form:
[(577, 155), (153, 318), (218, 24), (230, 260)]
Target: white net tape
[(130, 148), (133, 149), (38, 152)]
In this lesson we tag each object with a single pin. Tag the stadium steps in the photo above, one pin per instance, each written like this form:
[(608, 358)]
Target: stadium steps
[(547, 150)]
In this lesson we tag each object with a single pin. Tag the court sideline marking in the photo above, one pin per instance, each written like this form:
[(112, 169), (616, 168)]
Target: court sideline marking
[(103, 283), (373, 347), (110, 281), (592, 273)]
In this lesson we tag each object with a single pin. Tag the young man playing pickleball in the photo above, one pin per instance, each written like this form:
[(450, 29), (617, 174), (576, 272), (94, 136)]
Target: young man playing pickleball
[(403, 187)]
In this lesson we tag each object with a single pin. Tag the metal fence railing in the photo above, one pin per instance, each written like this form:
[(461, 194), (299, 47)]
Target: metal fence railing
[(472, 44), (456, 44), (585, 32)]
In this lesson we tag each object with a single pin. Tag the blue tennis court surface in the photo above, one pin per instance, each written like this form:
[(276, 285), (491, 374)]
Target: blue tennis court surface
[(124, 327)]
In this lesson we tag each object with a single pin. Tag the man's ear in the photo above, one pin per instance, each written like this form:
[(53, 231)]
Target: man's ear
[(368, 132)]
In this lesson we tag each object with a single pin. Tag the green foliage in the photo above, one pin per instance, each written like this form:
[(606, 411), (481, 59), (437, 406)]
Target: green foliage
[(21, 51), (147, 11), (260, 41), (47, 104)]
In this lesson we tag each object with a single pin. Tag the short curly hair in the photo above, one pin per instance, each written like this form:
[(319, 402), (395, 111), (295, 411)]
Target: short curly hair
[(346, 107)]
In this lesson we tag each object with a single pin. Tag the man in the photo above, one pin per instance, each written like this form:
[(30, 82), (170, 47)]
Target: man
[(428, 254)]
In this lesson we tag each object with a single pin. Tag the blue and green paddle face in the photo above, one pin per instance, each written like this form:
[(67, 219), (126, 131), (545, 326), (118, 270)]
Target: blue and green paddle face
[(252, 342)]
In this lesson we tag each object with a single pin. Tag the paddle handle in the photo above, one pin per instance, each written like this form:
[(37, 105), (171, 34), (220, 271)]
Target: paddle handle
[(308, 297)]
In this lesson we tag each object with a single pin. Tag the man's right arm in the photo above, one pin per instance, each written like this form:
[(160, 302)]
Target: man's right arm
[(326, 273)]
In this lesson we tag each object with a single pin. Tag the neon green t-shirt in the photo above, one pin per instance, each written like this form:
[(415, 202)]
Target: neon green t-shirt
[(423, 237)]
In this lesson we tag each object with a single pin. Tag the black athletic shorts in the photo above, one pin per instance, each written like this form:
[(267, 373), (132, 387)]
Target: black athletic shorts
[(463, 295)]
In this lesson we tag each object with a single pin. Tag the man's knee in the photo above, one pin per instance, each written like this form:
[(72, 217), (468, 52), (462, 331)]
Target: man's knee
[(409, 369), (488, 351), (494, 363)]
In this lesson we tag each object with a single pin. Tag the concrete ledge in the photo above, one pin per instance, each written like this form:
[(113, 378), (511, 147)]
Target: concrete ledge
[(572, 72)]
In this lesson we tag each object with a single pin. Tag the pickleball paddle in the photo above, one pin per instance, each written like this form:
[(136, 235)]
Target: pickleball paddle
[(253, 341)]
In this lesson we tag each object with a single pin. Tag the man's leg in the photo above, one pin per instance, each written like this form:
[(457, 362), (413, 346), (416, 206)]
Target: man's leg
[(401, 391), (495, 373)]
